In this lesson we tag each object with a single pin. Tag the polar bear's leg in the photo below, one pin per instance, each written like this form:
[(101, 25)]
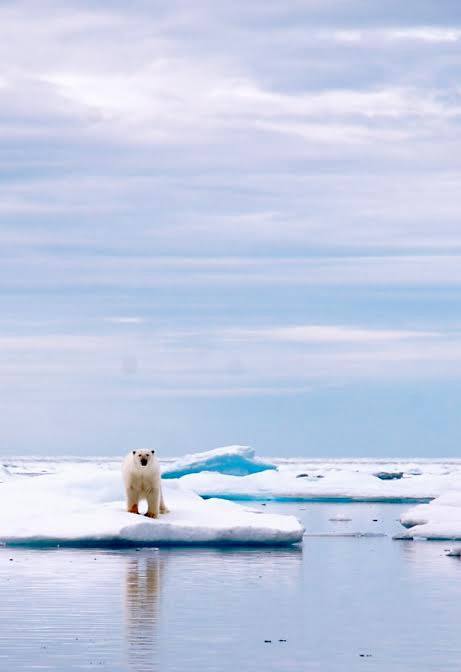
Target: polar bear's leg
[(153, 503), (131, 501), (163, 506)]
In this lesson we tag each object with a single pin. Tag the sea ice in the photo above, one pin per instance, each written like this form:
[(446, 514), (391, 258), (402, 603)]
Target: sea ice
[(336, 484), (234, 460), (455, 552), (441, 519), (287, 479), (84, 507)]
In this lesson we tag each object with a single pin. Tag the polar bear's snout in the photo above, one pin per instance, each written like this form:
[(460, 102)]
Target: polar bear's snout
[(143, 457)]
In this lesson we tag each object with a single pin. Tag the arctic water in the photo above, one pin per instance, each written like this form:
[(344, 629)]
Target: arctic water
[(350, 598)]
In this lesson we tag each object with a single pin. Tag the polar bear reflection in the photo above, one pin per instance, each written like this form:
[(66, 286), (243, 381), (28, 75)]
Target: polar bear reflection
[(142, 610)]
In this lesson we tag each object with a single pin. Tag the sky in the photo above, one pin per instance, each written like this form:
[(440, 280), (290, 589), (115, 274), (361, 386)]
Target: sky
[(230, 222)]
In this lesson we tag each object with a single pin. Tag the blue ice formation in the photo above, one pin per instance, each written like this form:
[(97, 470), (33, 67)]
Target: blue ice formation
[(232, 460)]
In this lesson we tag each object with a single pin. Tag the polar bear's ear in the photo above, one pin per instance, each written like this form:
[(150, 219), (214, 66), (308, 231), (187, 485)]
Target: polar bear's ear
[(134, 452)]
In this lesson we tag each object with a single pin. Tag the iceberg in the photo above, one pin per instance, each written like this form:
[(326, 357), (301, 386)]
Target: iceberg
[(234, 460), (85, 508), (439, 520)]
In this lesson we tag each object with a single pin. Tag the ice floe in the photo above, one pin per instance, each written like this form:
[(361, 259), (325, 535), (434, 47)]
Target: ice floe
[(235, 473), (335, 484), (441, 519), (234, 460), (85, 507)]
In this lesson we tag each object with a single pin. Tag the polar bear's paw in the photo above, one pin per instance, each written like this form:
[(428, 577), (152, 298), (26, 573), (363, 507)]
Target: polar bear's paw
[(164, 509), (149, 514)]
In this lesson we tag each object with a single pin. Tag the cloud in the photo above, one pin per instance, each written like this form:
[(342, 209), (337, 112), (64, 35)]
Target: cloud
[(125, 320), (329, 334), (431, 34), (226, 362), (376, 37), (179, 215), (125, 272), (267, 179), (166, 89)]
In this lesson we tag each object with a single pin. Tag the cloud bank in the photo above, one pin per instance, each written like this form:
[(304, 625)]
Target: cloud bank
[(226, 200)]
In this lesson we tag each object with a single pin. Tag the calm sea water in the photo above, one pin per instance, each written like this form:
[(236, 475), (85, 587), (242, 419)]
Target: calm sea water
[(341, 603)]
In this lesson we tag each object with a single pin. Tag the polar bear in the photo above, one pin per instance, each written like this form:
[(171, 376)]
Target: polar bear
[(141, 474)]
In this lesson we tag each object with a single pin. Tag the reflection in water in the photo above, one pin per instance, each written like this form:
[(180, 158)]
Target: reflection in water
[(198, 609), (427, 558), (142, 610)]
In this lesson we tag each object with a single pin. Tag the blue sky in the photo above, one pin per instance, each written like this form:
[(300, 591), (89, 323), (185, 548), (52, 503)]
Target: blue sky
[(230, 223)]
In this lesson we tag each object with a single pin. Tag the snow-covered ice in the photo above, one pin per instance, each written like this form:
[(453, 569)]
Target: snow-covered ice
[(320, 480), (333, 484), (84, 506), (455, 552), (441, 519), (234, 460), (234, 473), (80, 500)]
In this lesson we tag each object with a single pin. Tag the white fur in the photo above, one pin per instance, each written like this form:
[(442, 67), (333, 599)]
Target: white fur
[(143, 482)]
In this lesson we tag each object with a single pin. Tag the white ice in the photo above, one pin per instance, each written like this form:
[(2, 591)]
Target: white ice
[(235, 460), (291, 479), (326, 483), (440, 519), (84, 506)]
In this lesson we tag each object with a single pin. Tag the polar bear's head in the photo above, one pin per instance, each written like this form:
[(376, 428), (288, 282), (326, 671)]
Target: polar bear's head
[(143, 457)]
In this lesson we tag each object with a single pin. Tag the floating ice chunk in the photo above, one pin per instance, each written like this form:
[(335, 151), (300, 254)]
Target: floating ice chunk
[(455, 552), (441, 519), (340, 519), (311, 477), (389, 475), (235, 460), (85, 509), (341, 485), (349, 535)]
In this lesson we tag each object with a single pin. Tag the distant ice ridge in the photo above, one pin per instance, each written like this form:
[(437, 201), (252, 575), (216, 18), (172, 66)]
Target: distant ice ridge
[(233, 460), (441, 519), (84, 507)]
